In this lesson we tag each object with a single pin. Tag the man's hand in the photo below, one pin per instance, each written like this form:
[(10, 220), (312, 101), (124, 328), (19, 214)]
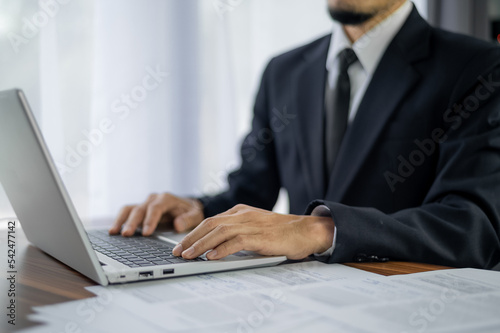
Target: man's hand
[(247, 228), (184, 213)]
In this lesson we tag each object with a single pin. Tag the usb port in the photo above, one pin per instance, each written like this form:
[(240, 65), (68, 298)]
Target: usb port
[(146, 274), (168, 271)]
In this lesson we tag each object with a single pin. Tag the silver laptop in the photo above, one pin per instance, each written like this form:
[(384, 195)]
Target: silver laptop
[(49, 219)]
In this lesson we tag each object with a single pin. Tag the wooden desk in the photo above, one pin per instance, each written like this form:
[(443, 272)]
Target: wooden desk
[(42, 280)]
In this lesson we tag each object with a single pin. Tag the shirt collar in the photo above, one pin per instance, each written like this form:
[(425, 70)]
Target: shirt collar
[(372, 45)]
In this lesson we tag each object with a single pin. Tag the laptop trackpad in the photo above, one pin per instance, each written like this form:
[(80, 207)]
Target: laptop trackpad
[(172, 235)]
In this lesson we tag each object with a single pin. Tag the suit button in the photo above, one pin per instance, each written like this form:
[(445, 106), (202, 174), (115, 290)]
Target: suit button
[(361, 257)]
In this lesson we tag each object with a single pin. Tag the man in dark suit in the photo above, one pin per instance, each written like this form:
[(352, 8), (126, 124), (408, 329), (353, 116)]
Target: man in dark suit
[(385, 133)]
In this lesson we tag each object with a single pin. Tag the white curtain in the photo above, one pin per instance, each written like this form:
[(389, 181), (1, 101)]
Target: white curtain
[(135, 97)]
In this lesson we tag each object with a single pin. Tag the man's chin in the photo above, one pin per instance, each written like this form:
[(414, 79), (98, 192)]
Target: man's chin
[(349, 18)]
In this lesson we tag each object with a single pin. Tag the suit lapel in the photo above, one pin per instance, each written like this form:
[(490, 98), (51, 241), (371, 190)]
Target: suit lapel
[(395, 72), (374, 112), (308, 92)]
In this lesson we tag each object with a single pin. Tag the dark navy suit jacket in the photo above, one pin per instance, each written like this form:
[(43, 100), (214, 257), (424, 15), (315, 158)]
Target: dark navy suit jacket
[(417, 177)]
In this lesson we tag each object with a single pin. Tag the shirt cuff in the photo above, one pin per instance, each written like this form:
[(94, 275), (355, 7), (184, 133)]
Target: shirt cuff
[(324, 211)]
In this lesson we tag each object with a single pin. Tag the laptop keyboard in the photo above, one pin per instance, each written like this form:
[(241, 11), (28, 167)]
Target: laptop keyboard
[(135, 251)]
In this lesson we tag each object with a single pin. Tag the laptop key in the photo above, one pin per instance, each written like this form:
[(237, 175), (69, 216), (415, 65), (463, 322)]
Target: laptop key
[(136, 259), (155, 260), (177, 260), (142, 261), (145, 264), (148, 257), (163, 262), (137, 252), (129, 256), (167, 256)]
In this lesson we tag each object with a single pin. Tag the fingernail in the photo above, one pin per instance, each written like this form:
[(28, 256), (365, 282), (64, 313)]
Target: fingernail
[(177, 250), (127, 231), (188, 253), (146, 229), (212, 254)]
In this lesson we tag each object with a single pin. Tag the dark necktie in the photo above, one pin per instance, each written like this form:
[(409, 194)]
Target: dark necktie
[(337, 109)]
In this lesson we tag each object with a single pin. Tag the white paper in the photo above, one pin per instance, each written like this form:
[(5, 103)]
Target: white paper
[(97, 314), (461, 300), (237, 299), (302, 297)]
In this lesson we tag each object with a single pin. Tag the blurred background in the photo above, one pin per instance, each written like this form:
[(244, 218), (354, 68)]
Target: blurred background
[(135, 97)]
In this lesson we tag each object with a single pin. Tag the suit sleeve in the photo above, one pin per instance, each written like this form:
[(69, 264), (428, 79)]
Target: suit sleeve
[(256, 182), (458, 224)]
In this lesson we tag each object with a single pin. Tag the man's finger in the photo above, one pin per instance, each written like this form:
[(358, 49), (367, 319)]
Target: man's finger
[(153, 216), (233, 245), (200, 231), (214, 238), (187, 220), (134, 220), (120, 219), (159, 205), (181, 222), (233, 210)]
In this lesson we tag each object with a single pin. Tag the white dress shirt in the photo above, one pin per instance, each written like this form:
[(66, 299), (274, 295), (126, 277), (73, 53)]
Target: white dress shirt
[(369, 49)]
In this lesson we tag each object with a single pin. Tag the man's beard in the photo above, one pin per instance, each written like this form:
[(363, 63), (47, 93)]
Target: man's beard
[(348, 17)]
